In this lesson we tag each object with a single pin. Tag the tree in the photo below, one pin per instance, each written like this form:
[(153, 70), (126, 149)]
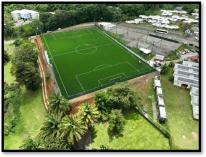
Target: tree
[(89, 114), (6, 57), (12, 97), (72, 129), (58, 105), (116, 123), (27, 74), (18, 42), (24, 66), (55, 144), (26, 53), (50, 127), (9, 30), (122, 97), (101, 100), (37, 26), (30, 144), (164, 69)]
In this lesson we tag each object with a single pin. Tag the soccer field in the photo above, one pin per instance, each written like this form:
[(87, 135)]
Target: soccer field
[(86, 60)]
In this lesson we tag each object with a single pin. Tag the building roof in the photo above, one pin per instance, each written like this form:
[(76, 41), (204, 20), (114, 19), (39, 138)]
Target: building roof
[(160, 101), (145, 51), (187, 73), (159, 91), (157, 83), (159, 57), (194, 91), (162, 112), (195, 100)]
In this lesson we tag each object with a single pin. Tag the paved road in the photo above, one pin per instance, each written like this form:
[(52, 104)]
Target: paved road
[(175, 35)]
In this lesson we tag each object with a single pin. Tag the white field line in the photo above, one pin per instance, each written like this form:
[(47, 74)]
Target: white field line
[(132, 66), (56, 68), (102, 68), (76, 51), (80, 83), (119, 74), (124, 47)]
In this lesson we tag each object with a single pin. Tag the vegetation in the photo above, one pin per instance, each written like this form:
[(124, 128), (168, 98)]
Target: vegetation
[(6, 57), (172, 56), (72, 129), (183, 128), (19, 123), (116, 123), (30, 144), (58, 105), (89, 114), (138, 134), (164, 69), (24, 66), (71, 14)]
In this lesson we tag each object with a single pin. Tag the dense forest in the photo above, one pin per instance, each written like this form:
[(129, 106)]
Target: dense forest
[(54, 16)]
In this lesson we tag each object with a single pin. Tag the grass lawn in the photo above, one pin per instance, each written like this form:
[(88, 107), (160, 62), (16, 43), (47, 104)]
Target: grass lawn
[(8, 77), (146, 94), (85, 60), (138, 134), (32, 114), (183, 128)]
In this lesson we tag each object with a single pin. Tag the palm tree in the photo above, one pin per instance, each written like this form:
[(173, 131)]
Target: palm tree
[(58, 105), (50, 127), (30, 144), (89, 114), (72, 128)]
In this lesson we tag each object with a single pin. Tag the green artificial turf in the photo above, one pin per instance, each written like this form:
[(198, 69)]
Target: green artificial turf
[(85, 60)]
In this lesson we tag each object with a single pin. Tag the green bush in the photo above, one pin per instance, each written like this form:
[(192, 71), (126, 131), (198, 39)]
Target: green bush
[(116, 123)]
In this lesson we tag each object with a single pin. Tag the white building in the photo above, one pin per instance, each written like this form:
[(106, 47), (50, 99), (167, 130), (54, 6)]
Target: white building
[(106, 25), (160, 101), (159, 91), (194, 93), (24, 14), (157, 83), (186, 74)]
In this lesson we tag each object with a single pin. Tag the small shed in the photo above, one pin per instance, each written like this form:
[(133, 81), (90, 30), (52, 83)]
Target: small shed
[(159, 57), (145, 51), (162, 114), (159, 91), (157, 83), (160, 101)]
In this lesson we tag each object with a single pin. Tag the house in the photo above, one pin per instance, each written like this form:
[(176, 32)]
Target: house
[(106, 25), (24, 14), (186, 74), (159, 57), (190, 56)]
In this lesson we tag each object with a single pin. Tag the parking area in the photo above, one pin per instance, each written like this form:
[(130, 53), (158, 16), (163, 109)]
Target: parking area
[(137, 38)]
